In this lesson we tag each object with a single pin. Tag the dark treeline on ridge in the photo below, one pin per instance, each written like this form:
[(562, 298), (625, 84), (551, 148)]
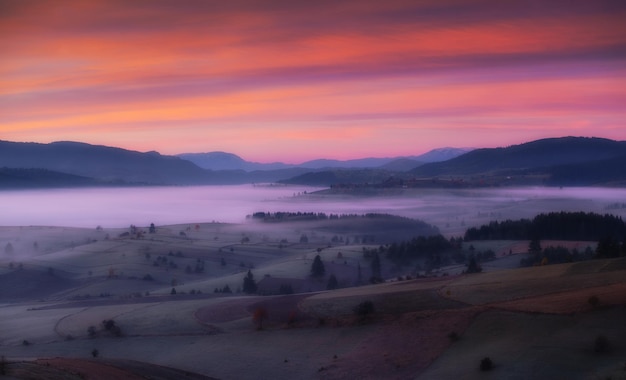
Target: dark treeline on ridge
[(293, 216), (554, 225)]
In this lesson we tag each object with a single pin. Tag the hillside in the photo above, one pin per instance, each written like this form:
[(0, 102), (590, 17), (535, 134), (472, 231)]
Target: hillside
[(102, 163), (36, 178), (431, 328), (605, 171), (227, 161), (340, 176), (536, 155)]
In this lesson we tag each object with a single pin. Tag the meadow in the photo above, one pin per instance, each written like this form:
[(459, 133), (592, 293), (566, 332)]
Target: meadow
[(164, 291)]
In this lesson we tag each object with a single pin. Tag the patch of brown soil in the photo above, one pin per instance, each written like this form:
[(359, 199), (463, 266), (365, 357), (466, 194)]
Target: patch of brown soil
[(279, 309), (282, 309), (70, 369), (400, 348), (569, 302)]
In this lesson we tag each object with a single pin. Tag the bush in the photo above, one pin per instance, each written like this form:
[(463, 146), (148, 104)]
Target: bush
[(594, 301), (110, 326), (3, 367), (601, 345), (486, 364), (260, 314), (364, 309)]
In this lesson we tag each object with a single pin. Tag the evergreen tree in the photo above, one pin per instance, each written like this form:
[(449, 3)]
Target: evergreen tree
[(472, 266), (332, 282), (249, 285), (534, 246), (607, 248), (376, 271), (317, 268)]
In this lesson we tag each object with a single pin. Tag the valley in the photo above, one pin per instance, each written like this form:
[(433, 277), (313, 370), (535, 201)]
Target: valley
[(177, 297)]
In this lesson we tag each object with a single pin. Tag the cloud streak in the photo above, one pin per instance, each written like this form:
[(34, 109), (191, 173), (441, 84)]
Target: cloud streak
[(103, 71)]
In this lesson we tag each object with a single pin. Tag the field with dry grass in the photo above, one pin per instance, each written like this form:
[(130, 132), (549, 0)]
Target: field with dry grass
[(58, 286)]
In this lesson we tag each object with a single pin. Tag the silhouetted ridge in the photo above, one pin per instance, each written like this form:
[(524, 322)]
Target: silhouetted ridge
[(101, 162), (532, 155)]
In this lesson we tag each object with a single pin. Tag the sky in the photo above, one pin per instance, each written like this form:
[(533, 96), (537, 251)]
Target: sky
[(283, 80)]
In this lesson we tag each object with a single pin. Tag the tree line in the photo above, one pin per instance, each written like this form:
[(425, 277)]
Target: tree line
[(555, 226), (290, 216)]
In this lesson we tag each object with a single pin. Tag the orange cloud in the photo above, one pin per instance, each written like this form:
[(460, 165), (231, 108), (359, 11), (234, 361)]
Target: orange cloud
[(379, 75)]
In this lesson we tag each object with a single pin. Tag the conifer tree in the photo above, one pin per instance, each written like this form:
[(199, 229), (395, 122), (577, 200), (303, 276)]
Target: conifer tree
[(317, 268), (249, 285)]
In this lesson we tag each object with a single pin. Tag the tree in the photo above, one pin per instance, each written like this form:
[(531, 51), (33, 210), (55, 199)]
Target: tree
[(317, 268), (332, 282), (472, 266), (601, 345), (152, 228), (91, 331), (607, 248), (364, 309), (8, 249), (534, 246), (249, 285), (486, 364), (376, 271), (304, 239)]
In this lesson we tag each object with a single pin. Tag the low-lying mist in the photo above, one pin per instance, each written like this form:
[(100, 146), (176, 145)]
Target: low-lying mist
[(450, 210)]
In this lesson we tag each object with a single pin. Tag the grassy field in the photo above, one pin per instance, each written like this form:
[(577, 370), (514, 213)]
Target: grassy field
[(533, 322)]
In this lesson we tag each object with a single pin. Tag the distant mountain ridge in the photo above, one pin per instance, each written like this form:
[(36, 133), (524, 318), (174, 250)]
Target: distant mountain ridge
[(230, 161), (536, 154), (561, 161), (106, 164)]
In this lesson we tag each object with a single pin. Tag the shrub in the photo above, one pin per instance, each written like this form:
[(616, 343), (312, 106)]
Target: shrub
[(3, 366), (110, 326), (594, 301), (364, 309), (292, 318), (260, 314), (453, 336), (95, 353), (486, 364), (601, 345)]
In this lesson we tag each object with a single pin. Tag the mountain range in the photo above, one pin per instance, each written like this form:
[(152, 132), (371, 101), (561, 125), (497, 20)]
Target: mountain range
[(230, 161), (561, 161)]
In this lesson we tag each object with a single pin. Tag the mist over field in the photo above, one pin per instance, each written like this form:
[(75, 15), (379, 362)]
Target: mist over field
[(450, 210), (177, 294)]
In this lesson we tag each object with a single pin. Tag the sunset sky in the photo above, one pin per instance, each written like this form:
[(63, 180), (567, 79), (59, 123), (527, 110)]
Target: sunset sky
[(296, 80)]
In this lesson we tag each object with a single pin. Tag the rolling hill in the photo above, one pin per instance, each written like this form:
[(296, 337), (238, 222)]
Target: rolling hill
[(103, 163), (544, 156), (228, 161)]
